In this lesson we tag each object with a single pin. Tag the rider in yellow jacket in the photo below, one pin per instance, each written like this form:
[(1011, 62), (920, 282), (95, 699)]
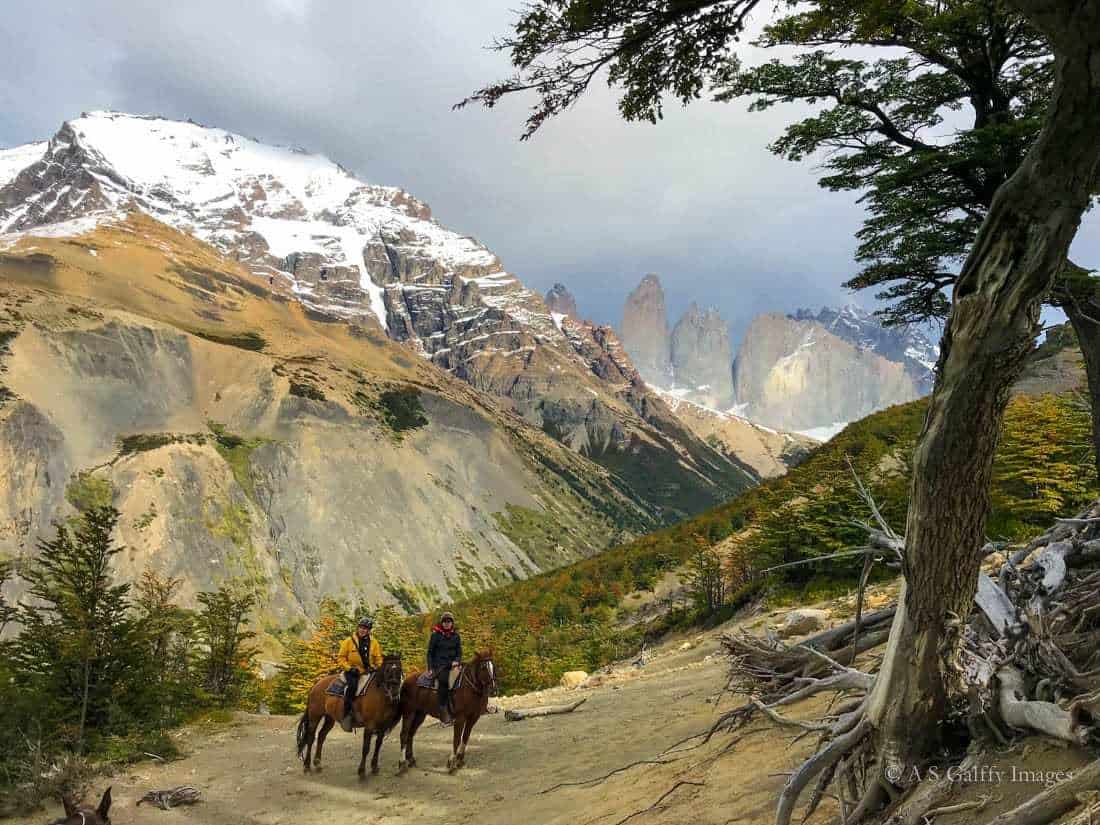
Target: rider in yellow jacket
[(351, 656)]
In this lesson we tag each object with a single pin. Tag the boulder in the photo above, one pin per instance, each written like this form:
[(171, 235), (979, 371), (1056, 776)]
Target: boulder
[(573, 679), (686, 646), (802, 621)]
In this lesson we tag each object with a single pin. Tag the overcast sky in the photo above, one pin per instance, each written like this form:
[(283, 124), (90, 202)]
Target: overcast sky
[(591, 201)]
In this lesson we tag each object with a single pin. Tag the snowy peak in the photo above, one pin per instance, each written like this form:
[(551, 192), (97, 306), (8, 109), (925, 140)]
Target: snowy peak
[(299, 218), (862, 329)]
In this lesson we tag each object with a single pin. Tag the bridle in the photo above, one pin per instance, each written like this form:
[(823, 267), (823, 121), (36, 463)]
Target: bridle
[(475, 680), (392, 691)]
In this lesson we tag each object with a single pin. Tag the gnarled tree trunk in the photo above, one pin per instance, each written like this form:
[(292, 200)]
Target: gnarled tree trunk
[(1022, 245), (1084, 315)]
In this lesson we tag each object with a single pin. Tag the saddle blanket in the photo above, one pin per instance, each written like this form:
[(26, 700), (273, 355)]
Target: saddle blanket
[(428, 680), (340, 684)]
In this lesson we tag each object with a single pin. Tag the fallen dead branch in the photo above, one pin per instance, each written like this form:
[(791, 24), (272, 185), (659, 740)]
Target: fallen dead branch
[(181, 795), (519, 714)]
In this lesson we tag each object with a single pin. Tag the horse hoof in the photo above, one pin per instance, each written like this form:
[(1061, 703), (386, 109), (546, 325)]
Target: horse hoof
[(402, 767), (375, 770), (306, 769), (317, 768), (412, 763)]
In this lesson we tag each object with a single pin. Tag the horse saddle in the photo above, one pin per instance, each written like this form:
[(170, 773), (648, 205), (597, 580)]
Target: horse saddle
[(427, 679), (340, 684)]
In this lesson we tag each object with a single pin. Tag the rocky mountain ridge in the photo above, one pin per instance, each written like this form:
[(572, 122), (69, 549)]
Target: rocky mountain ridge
[(256, 442), (369, 255), (810, 372)]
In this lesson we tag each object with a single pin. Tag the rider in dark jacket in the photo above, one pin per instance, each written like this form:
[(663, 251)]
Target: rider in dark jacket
[(444, 651)]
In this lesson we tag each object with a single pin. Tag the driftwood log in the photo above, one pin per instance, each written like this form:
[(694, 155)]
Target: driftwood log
[(519, 714)]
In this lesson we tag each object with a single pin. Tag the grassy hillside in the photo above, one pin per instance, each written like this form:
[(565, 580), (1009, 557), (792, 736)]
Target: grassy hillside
[(572, 618)]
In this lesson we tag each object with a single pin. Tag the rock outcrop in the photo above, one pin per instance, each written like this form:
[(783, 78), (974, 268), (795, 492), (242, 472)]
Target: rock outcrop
[(702, 359), (907, 345), (560, 301), (797, 375), (645, 331)]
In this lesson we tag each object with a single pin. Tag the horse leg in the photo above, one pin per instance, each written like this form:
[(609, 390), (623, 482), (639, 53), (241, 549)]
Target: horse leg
[(363, 756), (377, 749), (326, 726), (309, 736), (406, 726), (465, 739), (453, 763), (416, 720)]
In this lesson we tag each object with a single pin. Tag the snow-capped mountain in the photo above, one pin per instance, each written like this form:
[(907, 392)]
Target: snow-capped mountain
[(370, 255), (905, 345), (296, 216)]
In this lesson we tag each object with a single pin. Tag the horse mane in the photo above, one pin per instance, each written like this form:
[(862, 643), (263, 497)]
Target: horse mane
[(482, 655)]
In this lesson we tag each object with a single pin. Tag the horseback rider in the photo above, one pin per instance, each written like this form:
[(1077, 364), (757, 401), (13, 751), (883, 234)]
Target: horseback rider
[(359, 653), (444, 652)]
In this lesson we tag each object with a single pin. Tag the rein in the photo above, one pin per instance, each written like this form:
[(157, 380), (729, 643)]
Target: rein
[(474, 684)]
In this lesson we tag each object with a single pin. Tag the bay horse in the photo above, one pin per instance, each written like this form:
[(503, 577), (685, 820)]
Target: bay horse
[(376, 711), (470, 698), (83, 815)]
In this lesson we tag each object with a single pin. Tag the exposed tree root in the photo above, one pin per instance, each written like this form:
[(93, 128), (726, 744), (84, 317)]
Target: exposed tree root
[(1026, 659), (584, 783), (657, 806)]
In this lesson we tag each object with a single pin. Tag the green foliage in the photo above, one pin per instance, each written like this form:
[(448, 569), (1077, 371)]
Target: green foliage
[(227, 658), (536, 532), (304, 389), (401, 409), (1044, 464), (878, 125), (102, 670), (705, 577), (87, 492), (571, 617), (237, 452), (144, 442), (80, 647)]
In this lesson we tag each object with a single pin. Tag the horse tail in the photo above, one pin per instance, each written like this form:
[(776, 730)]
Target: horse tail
[(304, 737)]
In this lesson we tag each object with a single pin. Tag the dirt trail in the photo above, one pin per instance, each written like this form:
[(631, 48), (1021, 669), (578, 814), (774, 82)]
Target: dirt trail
[(249, 775)]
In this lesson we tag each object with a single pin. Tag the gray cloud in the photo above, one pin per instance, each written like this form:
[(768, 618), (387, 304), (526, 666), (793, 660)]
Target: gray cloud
[(591, 201)]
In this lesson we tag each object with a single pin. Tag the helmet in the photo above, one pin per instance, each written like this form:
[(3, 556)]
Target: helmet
[(366, 622), (446, 617)]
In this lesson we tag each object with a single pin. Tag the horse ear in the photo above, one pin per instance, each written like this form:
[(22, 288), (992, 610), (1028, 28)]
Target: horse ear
[(68, 804), (104, 805)]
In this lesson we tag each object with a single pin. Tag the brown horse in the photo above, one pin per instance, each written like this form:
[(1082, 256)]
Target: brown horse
[(376, 711), (470, 699), (83, 815)]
